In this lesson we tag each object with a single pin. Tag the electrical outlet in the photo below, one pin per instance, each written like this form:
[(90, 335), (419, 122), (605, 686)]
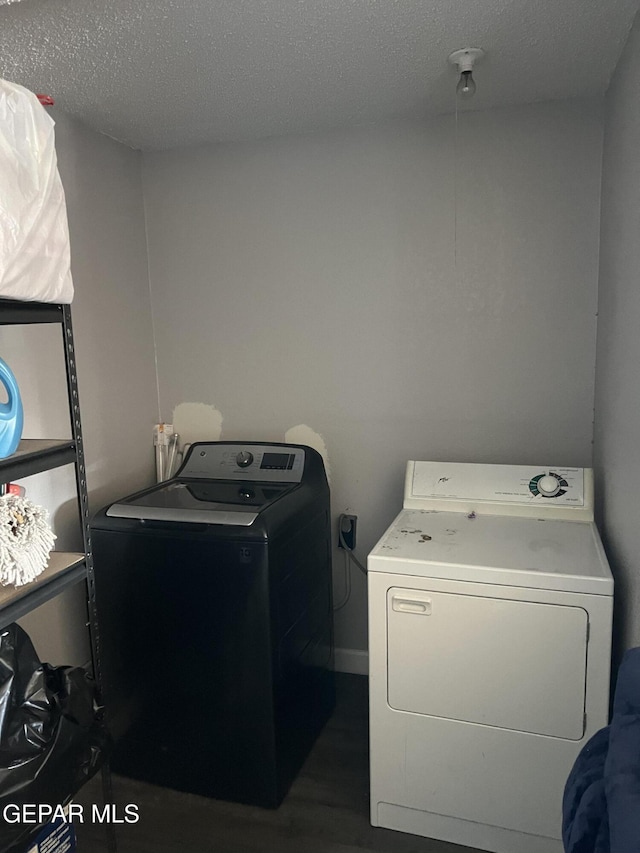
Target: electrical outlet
[(347, 531)]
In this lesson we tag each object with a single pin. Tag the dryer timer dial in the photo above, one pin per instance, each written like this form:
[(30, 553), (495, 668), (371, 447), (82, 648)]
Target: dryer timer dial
[(549, 485)]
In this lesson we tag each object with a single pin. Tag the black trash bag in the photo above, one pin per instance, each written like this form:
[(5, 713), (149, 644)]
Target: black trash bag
[(52, 734)]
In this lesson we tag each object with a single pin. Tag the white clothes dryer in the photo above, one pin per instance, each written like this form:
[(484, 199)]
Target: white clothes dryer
[(490, 614)]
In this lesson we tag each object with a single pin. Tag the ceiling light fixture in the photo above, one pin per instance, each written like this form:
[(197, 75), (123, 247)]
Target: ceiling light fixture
[(464, 60)]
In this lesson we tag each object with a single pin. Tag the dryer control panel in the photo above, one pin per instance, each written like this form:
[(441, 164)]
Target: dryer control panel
[(538, 491), (260, 463)]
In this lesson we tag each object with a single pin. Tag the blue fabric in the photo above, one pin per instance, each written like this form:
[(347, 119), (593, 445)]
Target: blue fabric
[(622, 766), (585, 826), (601, 806)]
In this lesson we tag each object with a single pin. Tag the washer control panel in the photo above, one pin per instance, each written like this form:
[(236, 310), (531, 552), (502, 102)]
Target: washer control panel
[(264, 463)]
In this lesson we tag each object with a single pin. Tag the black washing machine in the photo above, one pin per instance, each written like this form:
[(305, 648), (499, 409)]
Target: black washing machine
[(215, 615)]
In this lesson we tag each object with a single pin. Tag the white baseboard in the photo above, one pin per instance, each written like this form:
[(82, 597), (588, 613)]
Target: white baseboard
[(355, 661)]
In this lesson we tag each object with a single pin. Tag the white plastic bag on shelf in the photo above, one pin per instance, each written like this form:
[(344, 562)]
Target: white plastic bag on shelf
[(34, 234)]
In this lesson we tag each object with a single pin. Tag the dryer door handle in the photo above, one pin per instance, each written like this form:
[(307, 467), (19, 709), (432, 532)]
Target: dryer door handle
[(408, 604)]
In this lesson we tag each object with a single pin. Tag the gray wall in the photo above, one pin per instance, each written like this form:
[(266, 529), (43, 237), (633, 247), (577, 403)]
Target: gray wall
[(115, 359), (317, 280), (111, 309), (617, 423)]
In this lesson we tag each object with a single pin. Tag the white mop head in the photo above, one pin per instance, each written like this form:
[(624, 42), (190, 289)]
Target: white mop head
[(25, 540)]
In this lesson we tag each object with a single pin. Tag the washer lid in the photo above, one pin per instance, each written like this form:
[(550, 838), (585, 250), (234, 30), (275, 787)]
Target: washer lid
[(523, 552), (201, 501)]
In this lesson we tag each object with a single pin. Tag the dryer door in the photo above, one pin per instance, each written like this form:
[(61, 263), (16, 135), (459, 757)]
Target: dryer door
[(511, 664)]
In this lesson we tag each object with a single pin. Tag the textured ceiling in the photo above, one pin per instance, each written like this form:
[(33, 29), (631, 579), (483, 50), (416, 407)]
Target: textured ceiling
[(162, 73)]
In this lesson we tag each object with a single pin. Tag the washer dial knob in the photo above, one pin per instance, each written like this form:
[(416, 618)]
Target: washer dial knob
[(244, 459)]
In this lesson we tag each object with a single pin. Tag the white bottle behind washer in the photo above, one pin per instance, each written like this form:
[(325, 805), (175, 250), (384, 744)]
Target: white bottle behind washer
[(490, 611)]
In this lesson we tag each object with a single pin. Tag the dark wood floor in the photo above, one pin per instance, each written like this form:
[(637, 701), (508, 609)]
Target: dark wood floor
[(326, 810)]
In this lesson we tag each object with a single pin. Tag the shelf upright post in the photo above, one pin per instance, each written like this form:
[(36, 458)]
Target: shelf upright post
[(83, 504), (81, 483)]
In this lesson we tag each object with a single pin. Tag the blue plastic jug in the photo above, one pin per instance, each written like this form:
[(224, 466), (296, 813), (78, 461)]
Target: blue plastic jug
[(11, 416)]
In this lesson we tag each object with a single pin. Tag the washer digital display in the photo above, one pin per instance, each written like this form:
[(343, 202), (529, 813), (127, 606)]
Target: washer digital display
[(278, 461)]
